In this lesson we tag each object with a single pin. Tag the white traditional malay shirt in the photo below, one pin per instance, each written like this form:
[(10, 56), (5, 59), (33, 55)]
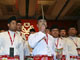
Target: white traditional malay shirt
[(25, 44), (72, 44), (40, 45), (10, 39), (60, 43)]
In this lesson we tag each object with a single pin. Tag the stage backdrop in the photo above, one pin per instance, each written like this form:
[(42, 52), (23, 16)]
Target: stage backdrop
[(27, 25), (65, 23)]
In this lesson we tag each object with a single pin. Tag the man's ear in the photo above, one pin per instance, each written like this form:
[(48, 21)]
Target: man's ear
[(8, 25)]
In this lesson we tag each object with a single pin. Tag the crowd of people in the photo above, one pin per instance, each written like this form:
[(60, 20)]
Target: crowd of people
[(53, 41)]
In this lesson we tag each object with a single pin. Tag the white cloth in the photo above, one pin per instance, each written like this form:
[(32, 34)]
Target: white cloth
[(71, 47), (26, 49), (25, 44), (64, 39), (60, 43), (5, 44), (21, 34), (39, 45), (51, 44)]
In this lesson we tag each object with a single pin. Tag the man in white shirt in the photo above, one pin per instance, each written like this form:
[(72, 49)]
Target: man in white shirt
[(19, 29), (73, 42), (41, 42), (59, 42), (10, 42), (25, 42)]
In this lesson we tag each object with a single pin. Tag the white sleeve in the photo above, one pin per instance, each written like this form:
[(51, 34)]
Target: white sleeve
[(1, 49), (26, 50), (51, 44), (67, 50), (35, 38), (21, 50)]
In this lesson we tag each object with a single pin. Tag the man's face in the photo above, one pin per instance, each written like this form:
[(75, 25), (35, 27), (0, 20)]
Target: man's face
[(72, 32), (63, 33), (41, 23), (12, 25), (55, 32), (19, 26)]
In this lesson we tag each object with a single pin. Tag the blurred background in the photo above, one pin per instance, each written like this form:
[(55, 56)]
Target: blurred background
[(61, 12)]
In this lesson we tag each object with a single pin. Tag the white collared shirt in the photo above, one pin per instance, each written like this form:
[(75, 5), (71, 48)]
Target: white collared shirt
[(5, 44), (37, 42)]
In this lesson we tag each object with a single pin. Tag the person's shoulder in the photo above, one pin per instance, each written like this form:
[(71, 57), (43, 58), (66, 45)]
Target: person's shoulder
[(36, 33), (50, 36), (33, 34), (68, 39), (78, 38), (3, 34)]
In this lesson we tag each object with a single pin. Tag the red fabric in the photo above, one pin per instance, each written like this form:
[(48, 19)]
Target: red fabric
[(63, 57), (2, 57), (33, 22), (57, 43), (12, 41), (43, 57), (27, 27), (75, 57)]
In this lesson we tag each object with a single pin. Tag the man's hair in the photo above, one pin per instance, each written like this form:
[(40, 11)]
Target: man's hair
[(40, 17), (54, 27), (2, 29), (11, 19), (32, 30), (62, 28), (72, 26), (19, 21)]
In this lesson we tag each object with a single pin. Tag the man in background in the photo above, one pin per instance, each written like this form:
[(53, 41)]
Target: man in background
[(59, 42), (32, 31), (19, 31), (73, 42)]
